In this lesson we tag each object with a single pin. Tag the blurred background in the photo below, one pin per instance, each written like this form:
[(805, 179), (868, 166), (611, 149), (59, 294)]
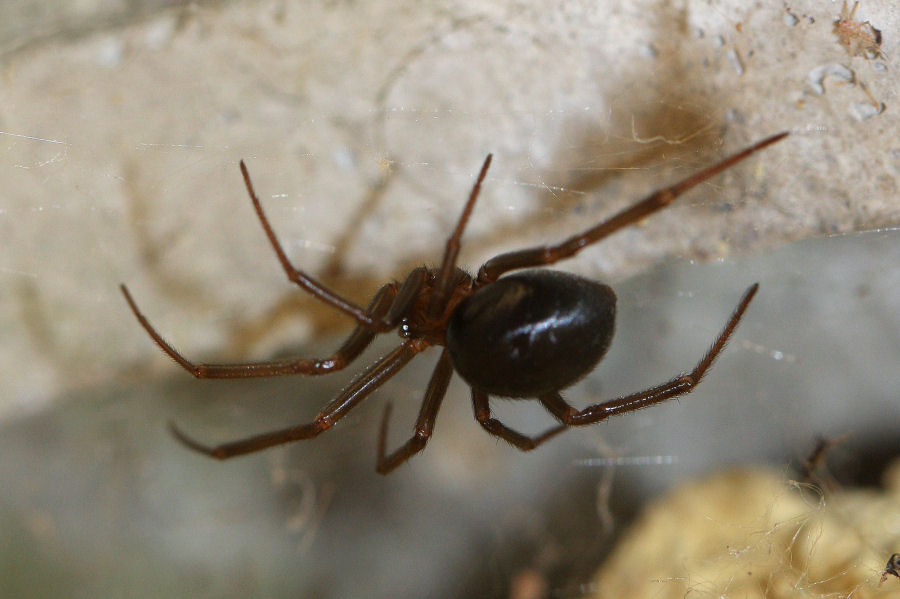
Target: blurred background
[(363, 126)]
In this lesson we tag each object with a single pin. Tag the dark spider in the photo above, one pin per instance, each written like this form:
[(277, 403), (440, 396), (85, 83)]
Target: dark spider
[(891, 569), (527, 335)]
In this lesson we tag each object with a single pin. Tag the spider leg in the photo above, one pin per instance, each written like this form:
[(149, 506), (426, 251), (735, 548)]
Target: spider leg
[(358, 390), (434, 394), (302, 279), (480, 402), (680, 385), (543, 255), (444, 285), (388, 306)]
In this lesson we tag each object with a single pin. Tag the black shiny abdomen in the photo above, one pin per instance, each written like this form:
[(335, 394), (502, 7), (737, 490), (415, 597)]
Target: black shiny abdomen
[(531, 333)]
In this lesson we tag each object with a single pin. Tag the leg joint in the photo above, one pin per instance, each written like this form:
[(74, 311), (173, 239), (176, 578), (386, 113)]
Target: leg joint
[(419, 439)]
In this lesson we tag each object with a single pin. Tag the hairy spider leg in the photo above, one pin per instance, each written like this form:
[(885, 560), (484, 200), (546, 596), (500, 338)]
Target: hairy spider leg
[(434, 394), (389, 305), (545, 255), (444, 285), (302, 279), (680, 385), (349, 398), (481, 404)]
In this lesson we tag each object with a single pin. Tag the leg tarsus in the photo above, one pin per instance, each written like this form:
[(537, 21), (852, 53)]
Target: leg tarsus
[(251, 444), (387, 463)]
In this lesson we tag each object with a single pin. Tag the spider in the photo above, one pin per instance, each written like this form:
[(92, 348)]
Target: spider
[(891, 569), (527, 335)]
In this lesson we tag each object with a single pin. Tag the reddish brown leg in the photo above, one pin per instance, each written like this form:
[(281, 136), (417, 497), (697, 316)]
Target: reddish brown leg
[(434, 394), (544, 255), (481, 403), (444, 284), (301, 278), (358, 390), (388, 305), (681, 385)]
